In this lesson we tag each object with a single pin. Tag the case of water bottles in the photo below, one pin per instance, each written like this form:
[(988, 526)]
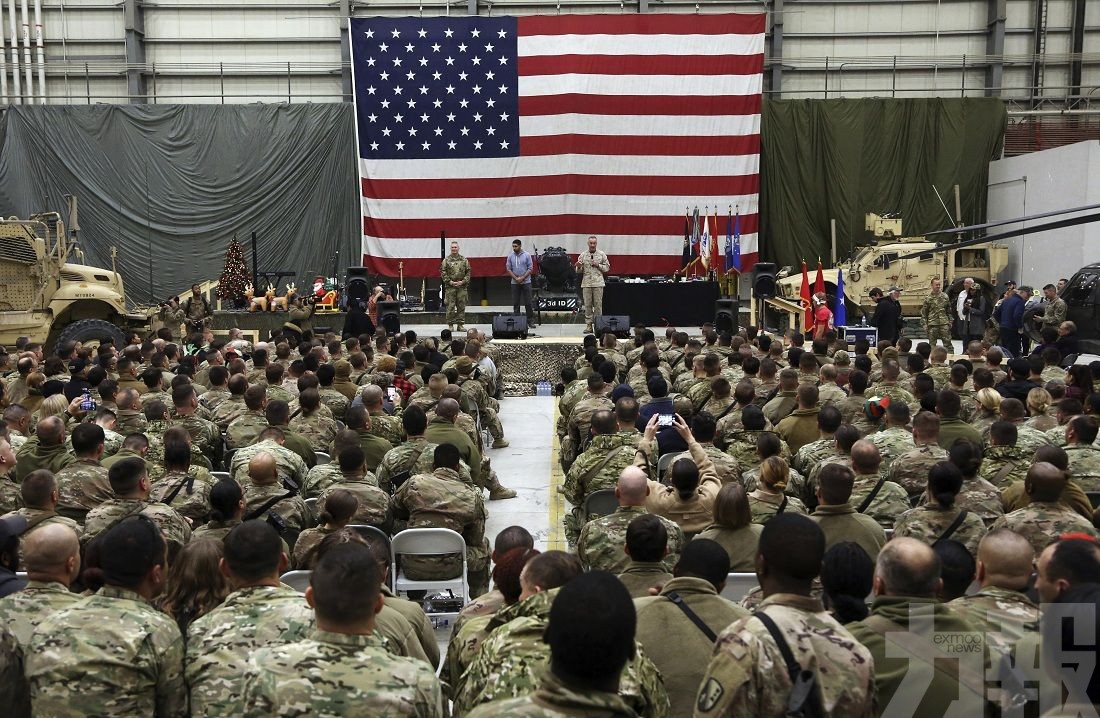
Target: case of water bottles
[(543, 388)]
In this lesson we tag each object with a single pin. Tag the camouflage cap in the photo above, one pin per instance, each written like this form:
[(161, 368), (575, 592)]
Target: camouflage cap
[(343, 368), (841, 357), (890, 353), (464, 364), (385, 363)]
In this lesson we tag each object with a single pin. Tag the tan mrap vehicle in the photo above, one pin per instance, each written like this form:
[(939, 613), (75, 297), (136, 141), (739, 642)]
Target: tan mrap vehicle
[(48, 299), (876, 263)]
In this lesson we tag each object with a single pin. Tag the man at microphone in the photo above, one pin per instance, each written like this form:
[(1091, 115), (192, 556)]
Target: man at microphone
[(592, 265)]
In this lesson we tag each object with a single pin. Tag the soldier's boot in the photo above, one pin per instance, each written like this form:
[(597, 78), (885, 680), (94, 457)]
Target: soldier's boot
[(451, 327), (495, 429), (497, 491), (461, 327)]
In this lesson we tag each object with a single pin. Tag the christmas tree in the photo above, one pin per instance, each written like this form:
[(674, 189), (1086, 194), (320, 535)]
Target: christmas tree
[(235, 277)]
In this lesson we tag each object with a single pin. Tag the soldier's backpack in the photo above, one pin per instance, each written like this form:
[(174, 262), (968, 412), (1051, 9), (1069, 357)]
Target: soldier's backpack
[(805, 698)]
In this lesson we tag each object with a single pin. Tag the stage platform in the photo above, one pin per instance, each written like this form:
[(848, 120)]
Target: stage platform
[(265, 322)]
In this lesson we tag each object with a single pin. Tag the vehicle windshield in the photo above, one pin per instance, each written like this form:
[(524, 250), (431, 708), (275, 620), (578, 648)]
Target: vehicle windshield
[(1080, 289)]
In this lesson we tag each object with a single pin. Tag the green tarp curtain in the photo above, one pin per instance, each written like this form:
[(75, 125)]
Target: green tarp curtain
[(170, 184), (839, 159)]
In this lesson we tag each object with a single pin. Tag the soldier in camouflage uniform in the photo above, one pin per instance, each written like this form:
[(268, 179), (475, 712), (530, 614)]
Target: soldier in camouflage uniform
[(341, 673), (1003, 463), (336, 402), (1044, 518), (83, 485), (938, 368), (1054, 308), (1001, 607), (577, 425), (130, 482), (218, 393), (935, 316), (44, 450), (890, 501), (454, 272), (204, 434), (725, 464), (312, 425), (895, 439), (507, 663), (264, 486), (598, 467), (245, 429), (889, 386), (54, 560), (186, 493), (589, 611), (260, 612), (910, 470), (602, 540), (748, 676), (1084, 455), (374, 503), (442, 500), (290, 465), (112, 653), (786, 400), (382, 424), (232, 407), (930, 521), (828, 421), (474, 391)]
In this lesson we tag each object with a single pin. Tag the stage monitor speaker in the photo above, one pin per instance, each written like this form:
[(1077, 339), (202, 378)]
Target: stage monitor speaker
[(389, 316), (510, 326), (763, 280), (432, 304), (725, 315), (617, 324), (356, 286)]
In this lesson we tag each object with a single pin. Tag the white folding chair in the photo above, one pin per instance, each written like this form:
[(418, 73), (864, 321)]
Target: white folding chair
[(298, 580), (738, 586), (600, 503), (663, 462), (429, 542), (889, 533), (322, 457), (312, 504), (219, 475)]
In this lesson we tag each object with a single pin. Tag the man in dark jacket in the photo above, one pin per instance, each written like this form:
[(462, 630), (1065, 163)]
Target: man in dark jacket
[(887, 317), (1010, 315)]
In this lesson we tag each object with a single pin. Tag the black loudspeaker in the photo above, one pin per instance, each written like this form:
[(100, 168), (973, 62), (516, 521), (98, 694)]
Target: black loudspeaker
[(725, 315), (432, 304), (356, 287), (617, 324), (389, 316), (510, 326), (763, 280)]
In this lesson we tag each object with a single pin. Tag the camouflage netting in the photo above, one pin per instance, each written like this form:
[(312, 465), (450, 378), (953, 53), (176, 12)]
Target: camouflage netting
[(523, 364)]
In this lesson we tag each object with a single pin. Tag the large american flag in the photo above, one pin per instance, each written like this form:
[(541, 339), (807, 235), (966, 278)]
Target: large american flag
[(553, 128)]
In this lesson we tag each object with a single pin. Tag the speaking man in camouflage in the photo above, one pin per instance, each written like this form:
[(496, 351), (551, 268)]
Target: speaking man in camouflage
[(52, 560), (590, 632), (598, 467), (910, 469), (259, 613), (455, 275), (511, 661), (602, 540), (443, 500), (130, 484), (592, 266), (1044, 518), (748, 674), (342, 668), (1001, 607), (1054, 308), (1084, 455), (112, 653), (935, 315)]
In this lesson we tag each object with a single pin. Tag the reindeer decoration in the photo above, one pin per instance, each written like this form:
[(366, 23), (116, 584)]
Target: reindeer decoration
[(259, 304), (282, 303)]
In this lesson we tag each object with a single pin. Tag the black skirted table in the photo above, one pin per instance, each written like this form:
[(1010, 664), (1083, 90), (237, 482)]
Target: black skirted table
[(662, 303)]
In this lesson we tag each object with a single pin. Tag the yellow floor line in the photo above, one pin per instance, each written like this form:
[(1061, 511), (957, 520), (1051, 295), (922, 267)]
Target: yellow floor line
[(555, 539)]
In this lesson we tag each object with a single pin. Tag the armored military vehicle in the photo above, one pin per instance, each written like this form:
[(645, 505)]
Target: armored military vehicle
[(45, 297), (882, 261)]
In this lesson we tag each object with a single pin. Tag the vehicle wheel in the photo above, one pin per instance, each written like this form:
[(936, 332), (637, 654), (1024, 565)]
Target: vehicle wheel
[(1031, 327), (93, 331)]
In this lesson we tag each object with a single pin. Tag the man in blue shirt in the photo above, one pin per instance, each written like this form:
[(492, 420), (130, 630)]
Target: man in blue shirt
[(1010, 315), (520, 266)]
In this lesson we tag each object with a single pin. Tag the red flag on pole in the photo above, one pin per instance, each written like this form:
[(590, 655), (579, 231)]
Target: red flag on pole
[(714, 253), (819, 283), (807, 306)]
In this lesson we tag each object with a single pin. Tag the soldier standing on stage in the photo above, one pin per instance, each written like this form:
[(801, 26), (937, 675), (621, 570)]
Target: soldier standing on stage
[(592, 265), (455, 272), (935, 316), (197, 311)]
